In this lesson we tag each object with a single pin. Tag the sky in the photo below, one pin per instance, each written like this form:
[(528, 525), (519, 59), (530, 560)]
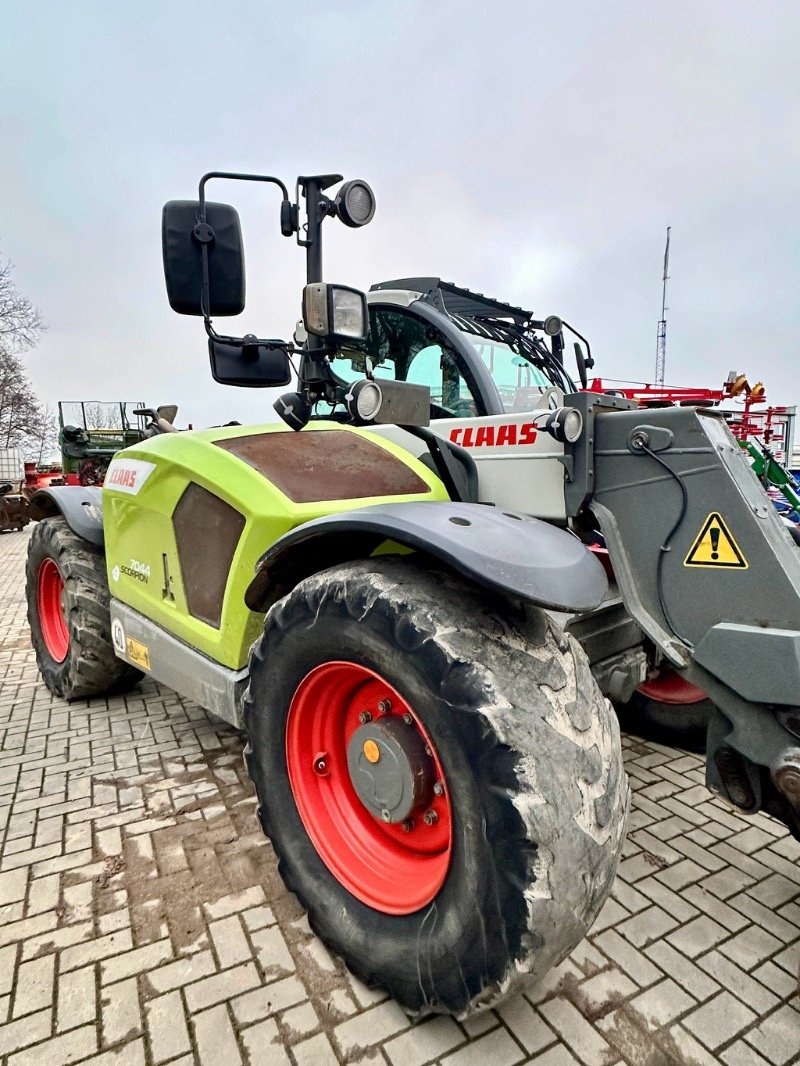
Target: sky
[(531, 151)]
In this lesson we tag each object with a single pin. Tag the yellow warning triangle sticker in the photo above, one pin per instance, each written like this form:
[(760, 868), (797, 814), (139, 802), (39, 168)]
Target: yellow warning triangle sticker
[(715, 546)]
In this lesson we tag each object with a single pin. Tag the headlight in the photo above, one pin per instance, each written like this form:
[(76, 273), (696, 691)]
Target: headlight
[(335, 312), (349, 313)]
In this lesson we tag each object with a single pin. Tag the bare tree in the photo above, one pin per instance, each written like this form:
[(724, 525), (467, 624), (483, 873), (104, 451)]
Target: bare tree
[(101, 415), (20, 321), (20, 411), (42, 442), (22, 418)]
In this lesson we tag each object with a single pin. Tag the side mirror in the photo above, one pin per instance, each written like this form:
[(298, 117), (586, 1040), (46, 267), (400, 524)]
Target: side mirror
[(183, 238), (249, 364), (580, 361), (168, 411)]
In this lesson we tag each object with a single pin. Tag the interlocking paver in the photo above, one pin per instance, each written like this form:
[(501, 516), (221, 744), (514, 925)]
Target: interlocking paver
[(221, 987), (263, 1002), (661, 1004), (216, 1040), (742, 1054), (166, 1027), (686, 1049), (142, 920), (575, 1031), (750, 947), (730, 976), (688, 976), (717, 1021), (601, 993), (121, 1012), (27, 1030), (497, 1047), (372, 1027), (264, 1047), (318, 1052), (60, 1050), (778, 1036), (526, 1024), (698, 936), (135, 962)]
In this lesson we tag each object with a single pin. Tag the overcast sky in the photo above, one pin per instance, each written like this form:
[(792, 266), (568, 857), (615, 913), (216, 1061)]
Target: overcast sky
[(532, 151)]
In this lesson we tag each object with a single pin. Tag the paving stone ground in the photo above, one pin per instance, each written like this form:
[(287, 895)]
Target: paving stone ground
[(142, 918)]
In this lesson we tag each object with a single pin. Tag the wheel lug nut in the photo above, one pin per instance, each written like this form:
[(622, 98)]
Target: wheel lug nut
[(408, 825), (384, 706), (408, 718), (430, 817), (365, 717), (385, 815), (438, 788)]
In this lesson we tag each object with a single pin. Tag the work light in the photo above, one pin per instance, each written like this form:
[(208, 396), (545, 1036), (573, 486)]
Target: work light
[(294, 409), (355, 203), (553, 325), (565, 424), (363, 401)]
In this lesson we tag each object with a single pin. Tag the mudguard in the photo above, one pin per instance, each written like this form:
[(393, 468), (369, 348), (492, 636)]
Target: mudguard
[(508, 552), (80, 505)]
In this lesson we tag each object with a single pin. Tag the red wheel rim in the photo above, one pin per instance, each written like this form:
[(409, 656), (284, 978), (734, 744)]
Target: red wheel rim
[(50, 589), (392, 869), (670, 687)]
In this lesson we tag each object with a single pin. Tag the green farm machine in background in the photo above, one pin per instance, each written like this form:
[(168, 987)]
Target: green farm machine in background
[(91, 432), (414, 594)]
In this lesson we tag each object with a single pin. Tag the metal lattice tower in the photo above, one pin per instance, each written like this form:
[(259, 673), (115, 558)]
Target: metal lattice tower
[(661, 342)]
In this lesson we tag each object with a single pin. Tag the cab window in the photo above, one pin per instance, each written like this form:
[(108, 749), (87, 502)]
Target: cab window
[(405, 348), (519, 383)]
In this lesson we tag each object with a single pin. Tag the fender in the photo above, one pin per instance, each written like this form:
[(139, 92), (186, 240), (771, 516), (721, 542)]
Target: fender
[(80, 505), (503, 551)]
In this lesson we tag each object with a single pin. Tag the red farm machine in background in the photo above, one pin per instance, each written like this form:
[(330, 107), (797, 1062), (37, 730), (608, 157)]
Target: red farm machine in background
[(767, 435)]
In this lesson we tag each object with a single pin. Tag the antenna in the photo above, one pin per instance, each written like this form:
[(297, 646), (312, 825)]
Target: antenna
[(661, 342)]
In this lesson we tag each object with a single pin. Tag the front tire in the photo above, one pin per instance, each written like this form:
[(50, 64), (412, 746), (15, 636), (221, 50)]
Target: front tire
[(530, 817), (68, 612)]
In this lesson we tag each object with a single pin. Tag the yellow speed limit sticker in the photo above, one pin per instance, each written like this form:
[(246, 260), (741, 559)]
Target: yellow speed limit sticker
[(138, 653)]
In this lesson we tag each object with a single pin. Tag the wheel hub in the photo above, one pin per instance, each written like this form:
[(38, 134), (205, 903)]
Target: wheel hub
[(359, 761), (389, 768)]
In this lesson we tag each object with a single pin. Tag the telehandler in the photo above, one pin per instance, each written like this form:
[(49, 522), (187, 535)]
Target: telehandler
[(401, 594)]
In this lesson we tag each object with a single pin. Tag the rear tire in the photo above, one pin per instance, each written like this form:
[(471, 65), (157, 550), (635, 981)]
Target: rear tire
[(530, 755), (669, 712), (68, 612)]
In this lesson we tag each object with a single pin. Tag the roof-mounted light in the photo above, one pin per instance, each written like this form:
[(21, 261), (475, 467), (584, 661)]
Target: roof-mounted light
[(355, 203)]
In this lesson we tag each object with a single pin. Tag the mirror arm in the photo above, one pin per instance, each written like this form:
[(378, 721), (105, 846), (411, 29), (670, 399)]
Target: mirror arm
[(589, 360), (235, 177), (203, 232), (248, 339)]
